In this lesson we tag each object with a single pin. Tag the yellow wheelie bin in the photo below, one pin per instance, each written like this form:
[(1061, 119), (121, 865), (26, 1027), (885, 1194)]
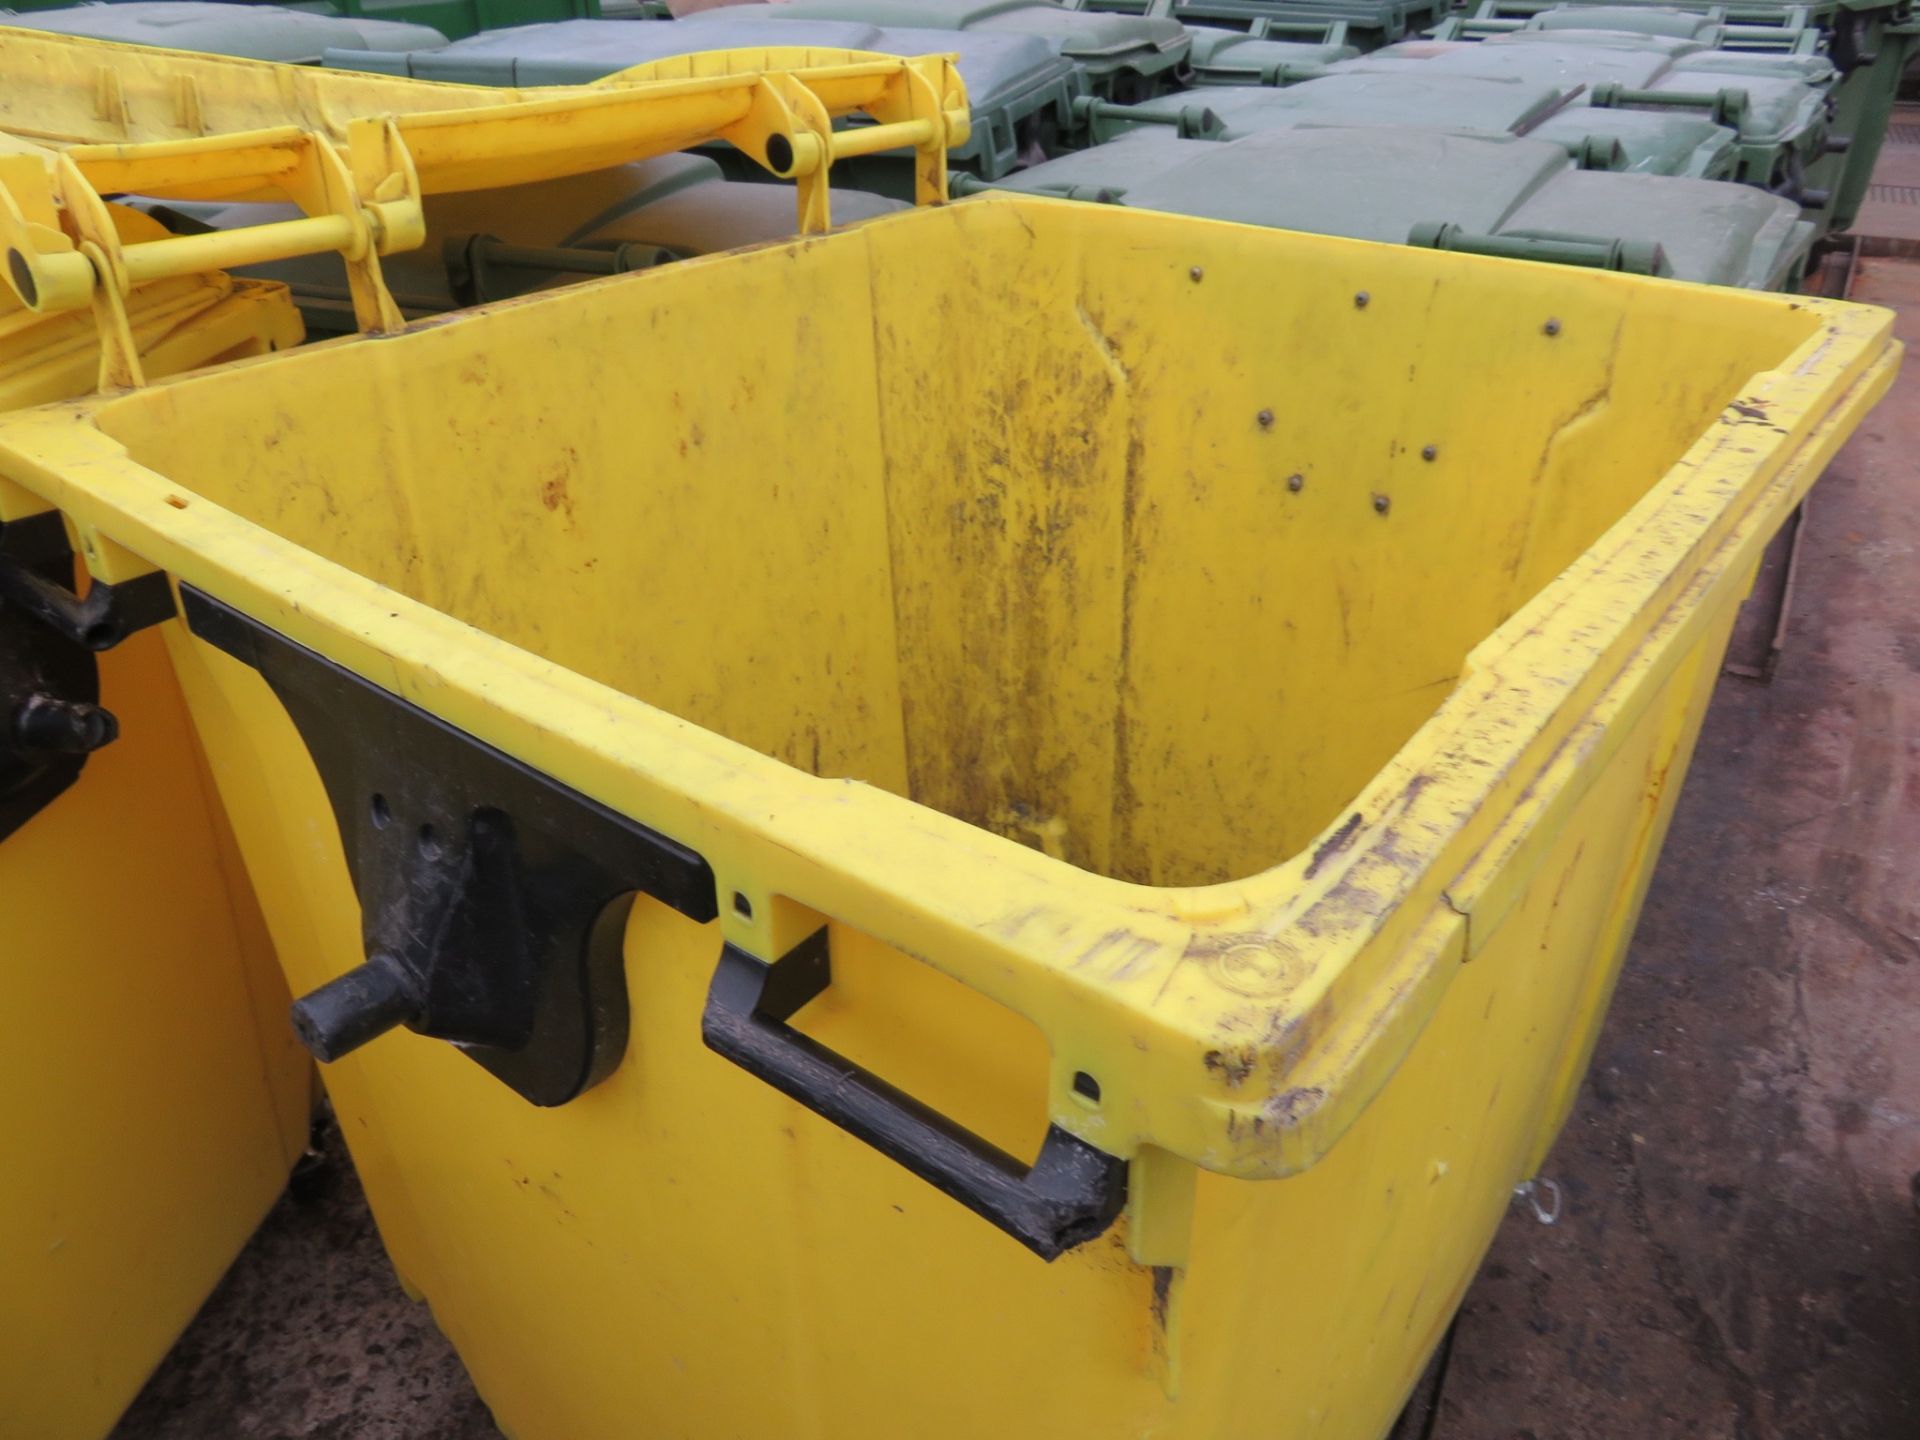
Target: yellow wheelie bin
[(1021, 816), (153, 1103)]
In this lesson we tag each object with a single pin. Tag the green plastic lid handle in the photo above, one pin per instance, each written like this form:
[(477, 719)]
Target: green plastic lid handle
[(1197, 122), (1190, 122), (1727, 107), (1294, 72), (1599, 152), (472, 258), (1791, 184), (1849, 44), (1642, 257), (1634, 257), (1786, 38)]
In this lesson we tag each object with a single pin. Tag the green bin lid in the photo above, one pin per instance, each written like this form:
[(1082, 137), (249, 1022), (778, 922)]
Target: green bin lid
[(1104, 45), (1398, 95), (1642, 19), (1651, 142), (1808, 67), (1447, 38), (1373, 22), (1781, 121), (1563, 66), (250, 32), (1237, 57), (1385, 183)]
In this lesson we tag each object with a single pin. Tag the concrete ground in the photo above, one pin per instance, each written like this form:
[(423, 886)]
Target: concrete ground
[(1892, 207), (1739, 1250), (1739, 1256)]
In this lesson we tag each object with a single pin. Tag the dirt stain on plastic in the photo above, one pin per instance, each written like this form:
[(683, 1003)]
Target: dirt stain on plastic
[(1334, 844)]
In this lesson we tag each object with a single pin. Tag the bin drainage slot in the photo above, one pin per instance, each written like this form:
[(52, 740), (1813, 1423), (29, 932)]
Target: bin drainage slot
[(1068, 1196), (51, 718), (493, 899)]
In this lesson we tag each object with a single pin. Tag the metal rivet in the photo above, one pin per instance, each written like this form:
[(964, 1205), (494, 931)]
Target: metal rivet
[(1265, 417), (1552, 327), (1429, 452), (1296, 482), (1382, 504), (1360, 300), (1195, 274)]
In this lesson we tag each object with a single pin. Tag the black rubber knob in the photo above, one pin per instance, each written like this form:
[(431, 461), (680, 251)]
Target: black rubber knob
[(361, 1005), (62, 727)]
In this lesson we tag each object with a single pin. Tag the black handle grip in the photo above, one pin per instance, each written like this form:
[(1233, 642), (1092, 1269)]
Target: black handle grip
[(1067, 1197), (30, 547)]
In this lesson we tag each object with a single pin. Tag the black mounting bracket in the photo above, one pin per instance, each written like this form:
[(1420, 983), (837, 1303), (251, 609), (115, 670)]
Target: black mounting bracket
[(50, 713), (493, 899)]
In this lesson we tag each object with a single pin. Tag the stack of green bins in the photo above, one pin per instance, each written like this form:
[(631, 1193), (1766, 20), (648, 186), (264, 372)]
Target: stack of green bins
[(1767, 114), (1869, 42), (1778, 106)]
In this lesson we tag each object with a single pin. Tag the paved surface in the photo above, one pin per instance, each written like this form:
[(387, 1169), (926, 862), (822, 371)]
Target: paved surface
[(1891, 209), (309, 1336), (1739, 1250)]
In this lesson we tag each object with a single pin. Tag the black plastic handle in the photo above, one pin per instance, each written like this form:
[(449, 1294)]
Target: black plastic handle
[(108, 614), (1068, 1196)]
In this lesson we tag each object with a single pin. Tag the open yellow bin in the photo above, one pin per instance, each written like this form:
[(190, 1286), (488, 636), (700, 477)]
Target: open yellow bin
[(1193, 707)]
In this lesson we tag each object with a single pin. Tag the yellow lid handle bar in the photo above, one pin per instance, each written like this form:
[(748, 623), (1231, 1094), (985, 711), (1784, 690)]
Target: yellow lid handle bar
[(80, 259), (777, 106), (919, 105)]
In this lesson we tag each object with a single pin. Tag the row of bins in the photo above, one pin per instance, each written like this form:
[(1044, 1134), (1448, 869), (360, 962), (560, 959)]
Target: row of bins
[(1632, 89), (870, 963), (1769, 116)]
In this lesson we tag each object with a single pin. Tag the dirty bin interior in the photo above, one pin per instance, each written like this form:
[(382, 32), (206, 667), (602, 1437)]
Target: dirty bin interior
[(1128, 561)]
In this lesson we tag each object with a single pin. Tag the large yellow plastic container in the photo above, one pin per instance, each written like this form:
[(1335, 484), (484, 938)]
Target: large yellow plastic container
[(151, 1098), (1195, 704)]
